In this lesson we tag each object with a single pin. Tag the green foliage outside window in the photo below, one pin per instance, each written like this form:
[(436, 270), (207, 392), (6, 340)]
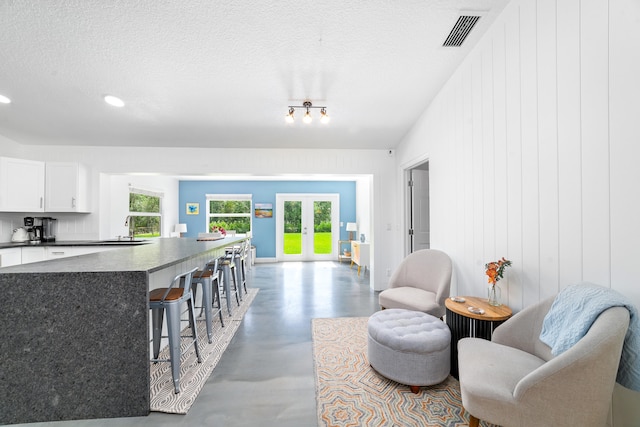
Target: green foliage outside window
[(144, 226), (230, 215)]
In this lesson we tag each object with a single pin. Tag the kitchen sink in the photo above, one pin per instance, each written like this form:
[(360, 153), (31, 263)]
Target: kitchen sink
[(123, 242)]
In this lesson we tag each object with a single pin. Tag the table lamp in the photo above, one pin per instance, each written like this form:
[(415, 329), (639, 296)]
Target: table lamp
[(351, 227), (180, 228)]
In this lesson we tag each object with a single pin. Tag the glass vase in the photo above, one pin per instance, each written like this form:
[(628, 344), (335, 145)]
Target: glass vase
[(493, 293)]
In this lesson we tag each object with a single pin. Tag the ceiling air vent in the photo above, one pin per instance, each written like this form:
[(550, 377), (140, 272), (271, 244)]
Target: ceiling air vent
[(461, 30)]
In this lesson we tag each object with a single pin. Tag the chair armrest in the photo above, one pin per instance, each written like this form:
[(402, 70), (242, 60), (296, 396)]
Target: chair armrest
[(582, 378)]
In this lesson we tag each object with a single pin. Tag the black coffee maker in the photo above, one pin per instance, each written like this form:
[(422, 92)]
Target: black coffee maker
[(47, 229), (35, 232)]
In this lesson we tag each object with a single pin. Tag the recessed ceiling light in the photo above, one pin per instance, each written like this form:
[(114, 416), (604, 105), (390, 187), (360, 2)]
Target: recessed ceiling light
[(113, 100), (4, 100)]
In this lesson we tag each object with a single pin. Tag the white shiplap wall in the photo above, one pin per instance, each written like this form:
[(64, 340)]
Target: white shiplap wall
[(533, 149)]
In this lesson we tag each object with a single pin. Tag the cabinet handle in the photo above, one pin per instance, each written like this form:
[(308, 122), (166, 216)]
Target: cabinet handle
[(57, 253), (73, 202), (41, 201)]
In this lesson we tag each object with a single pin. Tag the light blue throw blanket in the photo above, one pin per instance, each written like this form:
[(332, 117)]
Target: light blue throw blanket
[(573, 312)]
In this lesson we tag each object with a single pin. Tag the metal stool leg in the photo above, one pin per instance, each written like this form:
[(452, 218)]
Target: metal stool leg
[(173, 326), (157, 315), (206, 302), (226, 282), (215, 287), (238, 270), (234, 275), (194, 331)]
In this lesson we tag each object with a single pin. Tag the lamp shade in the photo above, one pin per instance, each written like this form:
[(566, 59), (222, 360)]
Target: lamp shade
[(352, 226), (180, 228)]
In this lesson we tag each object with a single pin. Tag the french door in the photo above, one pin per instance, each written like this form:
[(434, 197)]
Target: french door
[(307, 227)]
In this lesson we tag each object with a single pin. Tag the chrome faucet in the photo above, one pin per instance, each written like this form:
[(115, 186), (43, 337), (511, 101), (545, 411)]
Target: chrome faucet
[(128, 222)]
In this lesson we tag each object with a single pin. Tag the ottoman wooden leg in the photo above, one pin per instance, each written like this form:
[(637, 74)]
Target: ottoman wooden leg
[(415, 388)]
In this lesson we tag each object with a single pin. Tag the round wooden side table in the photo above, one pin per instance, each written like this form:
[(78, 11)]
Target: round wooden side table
[(472, 317)]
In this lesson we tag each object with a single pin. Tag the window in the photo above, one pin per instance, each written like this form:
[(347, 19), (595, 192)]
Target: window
[(229, 211), (145, 213)]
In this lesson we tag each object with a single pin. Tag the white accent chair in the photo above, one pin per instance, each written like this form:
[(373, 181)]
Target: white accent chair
[(420, 283), (514, 380)]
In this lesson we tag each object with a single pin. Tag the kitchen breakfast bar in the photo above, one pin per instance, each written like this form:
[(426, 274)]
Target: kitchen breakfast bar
[(74, 332)]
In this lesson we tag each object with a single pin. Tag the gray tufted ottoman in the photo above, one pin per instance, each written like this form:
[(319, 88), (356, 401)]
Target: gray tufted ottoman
[(409, 347)]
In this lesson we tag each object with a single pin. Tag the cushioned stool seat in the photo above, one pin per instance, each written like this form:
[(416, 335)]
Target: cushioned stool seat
[(409, 347)]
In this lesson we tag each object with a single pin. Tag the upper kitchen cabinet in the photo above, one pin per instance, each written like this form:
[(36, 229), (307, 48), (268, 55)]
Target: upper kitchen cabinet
[(21, 185), (32, 186), (66, 188)]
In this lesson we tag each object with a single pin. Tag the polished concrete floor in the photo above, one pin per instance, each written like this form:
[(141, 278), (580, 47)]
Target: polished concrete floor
[(265, 377)]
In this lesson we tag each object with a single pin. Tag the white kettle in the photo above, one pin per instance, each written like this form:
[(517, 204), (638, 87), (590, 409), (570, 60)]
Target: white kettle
[(20, 235)]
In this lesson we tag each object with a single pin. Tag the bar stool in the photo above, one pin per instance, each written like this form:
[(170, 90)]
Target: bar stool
[(209, 279), (228, 269), (171, 300), (238, 254)]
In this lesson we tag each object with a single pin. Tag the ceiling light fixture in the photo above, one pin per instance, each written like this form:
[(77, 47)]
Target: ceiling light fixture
[(289, 117), (4, 100), (324, 117), (113, 101)]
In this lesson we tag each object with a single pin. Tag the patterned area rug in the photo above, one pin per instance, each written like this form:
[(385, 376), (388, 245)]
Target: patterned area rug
[(193, 375), (350, 393)]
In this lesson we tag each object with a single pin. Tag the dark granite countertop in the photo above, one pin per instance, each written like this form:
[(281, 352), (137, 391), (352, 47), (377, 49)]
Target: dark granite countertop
[(123, 242), (158, 254)]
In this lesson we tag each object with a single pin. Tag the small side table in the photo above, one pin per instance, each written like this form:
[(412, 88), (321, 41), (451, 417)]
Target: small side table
[(463, 323), (341, 254)]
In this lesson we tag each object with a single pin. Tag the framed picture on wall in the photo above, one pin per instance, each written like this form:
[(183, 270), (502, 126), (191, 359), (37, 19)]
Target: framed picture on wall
[(193, 208), (264, 210)]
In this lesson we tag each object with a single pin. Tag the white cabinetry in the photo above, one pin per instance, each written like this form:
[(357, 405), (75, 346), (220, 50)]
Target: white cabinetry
[(66, 188), (56, 252), (21, 185), (12, 256), (360, 254), (32, 186), (33, 254)]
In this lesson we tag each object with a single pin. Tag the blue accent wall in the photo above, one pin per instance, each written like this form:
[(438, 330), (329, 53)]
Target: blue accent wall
[(264, 229)]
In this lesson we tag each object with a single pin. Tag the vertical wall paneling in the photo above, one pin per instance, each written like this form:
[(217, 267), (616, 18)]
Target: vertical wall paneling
[(559, 82), (595, 140), (477, 168), (500, 151), (458, 250), (548, 147), (467, 171), (624, 113), (489, 195), (569, 146), (530, 164), (514, 156)]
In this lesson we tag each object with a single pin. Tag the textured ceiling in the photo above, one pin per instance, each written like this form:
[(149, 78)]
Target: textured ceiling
[(202, 73)]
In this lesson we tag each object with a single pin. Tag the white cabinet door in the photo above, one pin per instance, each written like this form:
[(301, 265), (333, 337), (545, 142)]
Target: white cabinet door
[(56, 252), (12, 256), (33, 254), (66, 188), (21, 185)]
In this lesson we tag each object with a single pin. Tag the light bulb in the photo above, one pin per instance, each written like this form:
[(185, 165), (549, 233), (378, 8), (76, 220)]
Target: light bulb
[(324, 117), (289, 117), (307, 117), (114, 101)]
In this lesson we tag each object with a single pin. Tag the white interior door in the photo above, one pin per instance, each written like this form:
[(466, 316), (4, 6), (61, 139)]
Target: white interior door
[(420, 215), (307, 226)]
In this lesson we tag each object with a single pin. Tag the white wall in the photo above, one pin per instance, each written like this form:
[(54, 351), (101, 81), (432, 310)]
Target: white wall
[(115, 202), (155, 165), (533, 145)]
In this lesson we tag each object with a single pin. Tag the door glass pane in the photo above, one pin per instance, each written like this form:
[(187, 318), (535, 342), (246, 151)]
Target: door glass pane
[(322, 227), (293, 227)]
